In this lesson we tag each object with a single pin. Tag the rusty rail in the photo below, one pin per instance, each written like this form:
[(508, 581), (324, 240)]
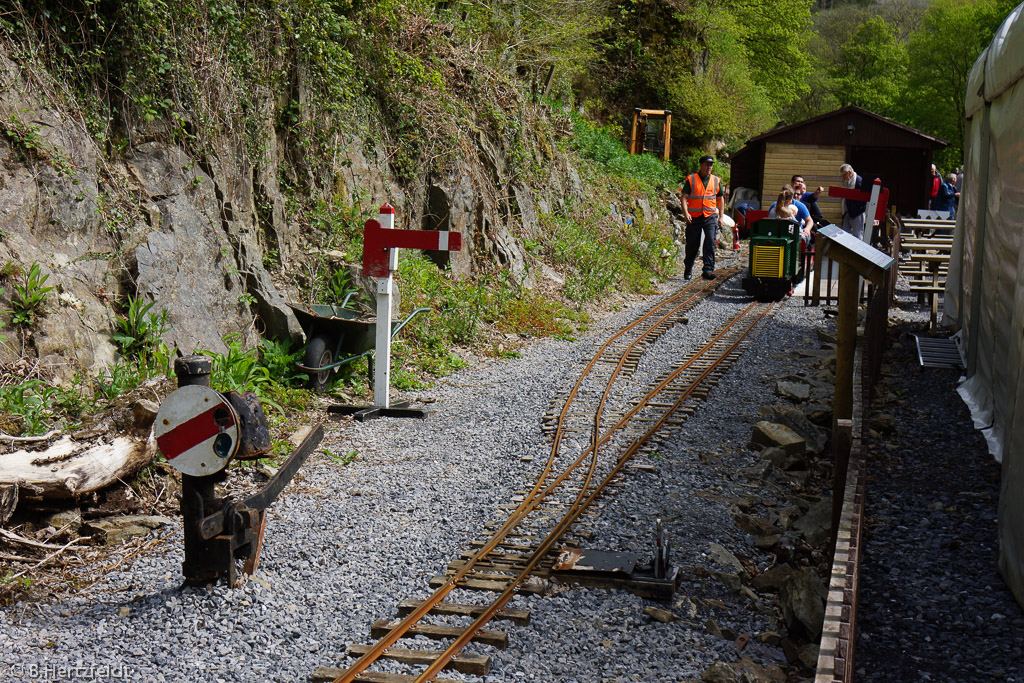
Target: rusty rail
[(588, 491)]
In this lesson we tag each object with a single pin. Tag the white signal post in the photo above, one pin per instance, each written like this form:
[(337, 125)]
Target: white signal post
[(869, 212), (381, 242), (382, 369)]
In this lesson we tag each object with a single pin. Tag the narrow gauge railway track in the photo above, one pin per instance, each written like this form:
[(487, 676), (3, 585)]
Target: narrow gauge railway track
[(571, 482)]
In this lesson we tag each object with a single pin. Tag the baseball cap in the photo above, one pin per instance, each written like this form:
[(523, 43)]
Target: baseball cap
[(707, 159)]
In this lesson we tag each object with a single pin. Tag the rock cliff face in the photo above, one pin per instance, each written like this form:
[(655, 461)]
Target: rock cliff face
[(190, 231)]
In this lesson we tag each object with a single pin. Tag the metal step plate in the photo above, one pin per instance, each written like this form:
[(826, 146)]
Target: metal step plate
[(933, 352)]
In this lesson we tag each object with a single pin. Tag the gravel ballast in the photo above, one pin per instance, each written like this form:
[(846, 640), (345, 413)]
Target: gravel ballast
[(347, 542), (932, 605)]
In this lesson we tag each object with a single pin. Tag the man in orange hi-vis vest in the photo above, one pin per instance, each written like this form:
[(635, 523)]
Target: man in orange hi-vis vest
[(705, 206)]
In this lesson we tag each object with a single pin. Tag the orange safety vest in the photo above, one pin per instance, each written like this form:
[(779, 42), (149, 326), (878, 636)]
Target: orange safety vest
[(702, 201)]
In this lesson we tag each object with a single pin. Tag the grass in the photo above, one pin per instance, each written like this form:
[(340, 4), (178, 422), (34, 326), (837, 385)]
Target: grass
[(346, 459), (600, 254), (463, 313), (603, 146)]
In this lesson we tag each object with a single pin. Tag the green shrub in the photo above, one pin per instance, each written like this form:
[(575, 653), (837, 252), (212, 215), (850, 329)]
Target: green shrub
[(600, 255), (139, 331), (237, 370), (605, 147), (124, 375), (269, 372), (29, 401), (29, 299), (281, 362)]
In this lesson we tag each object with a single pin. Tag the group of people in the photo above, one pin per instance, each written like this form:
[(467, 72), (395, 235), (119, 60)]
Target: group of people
[(704, 209), (944, 194), (798, 205)]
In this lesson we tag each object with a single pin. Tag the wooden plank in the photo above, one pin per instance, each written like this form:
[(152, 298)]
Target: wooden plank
[(465, 663), (488, 564), (488, 585), (927, 243), (499, 639), (325, 674), (929, 290), (515, 547), (520, 617), (505, 557)]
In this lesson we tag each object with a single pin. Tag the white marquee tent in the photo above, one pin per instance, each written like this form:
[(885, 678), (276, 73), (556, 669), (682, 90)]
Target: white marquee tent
[(984, 295)]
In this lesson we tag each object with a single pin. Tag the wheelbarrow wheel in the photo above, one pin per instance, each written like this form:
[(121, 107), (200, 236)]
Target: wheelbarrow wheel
[(318, 355)]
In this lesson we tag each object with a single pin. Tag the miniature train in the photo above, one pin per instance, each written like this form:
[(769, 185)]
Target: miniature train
[(774, 266)]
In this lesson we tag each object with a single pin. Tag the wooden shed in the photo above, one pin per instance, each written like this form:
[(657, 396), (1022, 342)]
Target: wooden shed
[(815, 148)]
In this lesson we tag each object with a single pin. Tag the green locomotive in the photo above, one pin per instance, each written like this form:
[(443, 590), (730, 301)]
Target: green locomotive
[(774, 258)]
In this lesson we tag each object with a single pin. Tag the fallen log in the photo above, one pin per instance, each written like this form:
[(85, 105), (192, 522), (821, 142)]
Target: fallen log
[(70, 468), (8, 501)]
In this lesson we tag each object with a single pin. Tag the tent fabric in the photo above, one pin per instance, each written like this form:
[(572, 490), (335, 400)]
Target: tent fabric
[(975, 99), (985, 289), (1005, 63)]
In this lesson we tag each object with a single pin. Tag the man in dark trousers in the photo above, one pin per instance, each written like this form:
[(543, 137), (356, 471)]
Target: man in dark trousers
[(705, 205), (853, 209)]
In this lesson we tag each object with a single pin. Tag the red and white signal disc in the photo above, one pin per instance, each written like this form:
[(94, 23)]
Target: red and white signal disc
[(197, 430)]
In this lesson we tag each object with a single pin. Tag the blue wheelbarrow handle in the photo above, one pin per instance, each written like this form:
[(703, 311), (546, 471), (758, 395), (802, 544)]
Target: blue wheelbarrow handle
[(339, 363)]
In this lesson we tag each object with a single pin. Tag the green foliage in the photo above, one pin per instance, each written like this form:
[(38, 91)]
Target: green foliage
[(29, 401), (872, 67), (461, 309), (9, 270), (23, 136), (237, 370), (338, 227), (14, 587), (280, 361), (139, 331), (941, 54), (342, 459), (542, 34), (124, 375), (338, 286), (29, 298), (39, 407), (722, 68), (602, 255), (905, 60), (602, 145), (268, 371), (774, 36)]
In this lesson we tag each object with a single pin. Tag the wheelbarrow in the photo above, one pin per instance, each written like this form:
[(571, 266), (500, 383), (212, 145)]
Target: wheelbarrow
[(336, 335)]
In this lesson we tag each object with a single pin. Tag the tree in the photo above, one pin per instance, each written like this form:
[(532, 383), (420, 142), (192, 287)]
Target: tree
[(940, 57), (871, 69), (724, 67)]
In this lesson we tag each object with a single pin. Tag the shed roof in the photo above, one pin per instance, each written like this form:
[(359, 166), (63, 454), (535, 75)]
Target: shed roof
[(822, 129)]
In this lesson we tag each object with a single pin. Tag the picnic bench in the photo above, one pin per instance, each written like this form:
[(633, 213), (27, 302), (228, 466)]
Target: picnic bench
[(924, 249)]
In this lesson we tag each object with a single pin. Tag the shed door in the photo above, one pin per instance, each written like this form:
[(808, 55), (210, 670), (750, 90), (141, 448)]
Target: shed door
[(819, 165)]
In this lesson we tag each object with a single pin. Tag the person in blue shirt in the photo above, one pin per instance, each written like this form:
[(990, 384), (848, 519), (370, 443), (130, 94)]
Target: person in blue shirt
[(810, 200), (944, 198), (803, 216)]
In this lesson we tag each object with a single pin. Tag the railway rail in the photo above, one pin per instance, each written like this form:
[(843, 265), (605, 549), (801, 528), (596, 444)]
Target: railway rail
[(512, 554)]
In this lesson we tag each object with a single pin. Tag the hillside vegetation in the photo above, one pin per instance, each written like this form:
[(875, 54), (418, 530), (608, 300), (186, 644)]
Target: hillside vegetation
[(268, 131)]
